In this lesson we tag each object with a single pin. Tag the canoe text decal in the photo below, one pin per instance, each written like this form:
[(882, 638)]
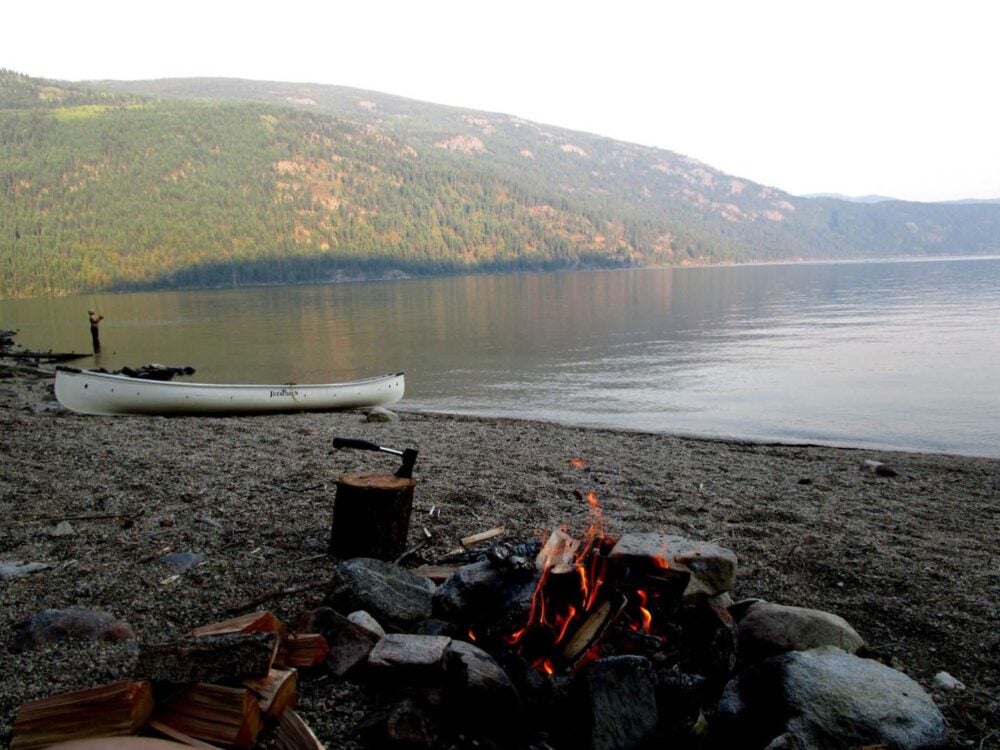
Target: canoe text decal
[(284, 392)]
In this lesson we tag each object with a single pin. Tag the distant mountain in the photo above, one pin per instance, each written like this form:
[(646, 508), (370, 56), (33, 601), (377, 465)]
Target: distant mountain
[(852, 198), (204, 182)]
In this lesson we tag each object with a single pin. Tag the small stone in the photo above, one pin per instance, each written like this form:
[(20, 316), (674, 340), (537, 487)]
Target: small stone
[(183, 560), (76, 623), (365, 620), (63, 528), (19, 569), (947, 682)]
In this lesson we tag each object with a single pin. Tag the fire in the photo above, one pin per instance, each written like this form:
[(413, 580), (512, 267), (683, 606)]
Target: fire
[(647, 616), (577, 463), (569, 608)]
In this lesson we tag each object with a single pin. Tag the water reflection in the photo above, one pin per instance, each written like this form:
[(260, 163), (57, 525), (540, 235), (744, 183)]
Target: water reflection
[(897, 353)]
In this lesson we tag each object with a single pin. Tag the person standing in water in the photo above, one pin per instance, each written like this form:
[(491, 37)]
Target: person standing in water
[(95, 319)]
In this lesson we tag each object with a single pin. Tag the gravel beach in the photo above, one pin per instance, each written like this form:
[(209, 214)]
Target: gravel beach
[(910, 560)]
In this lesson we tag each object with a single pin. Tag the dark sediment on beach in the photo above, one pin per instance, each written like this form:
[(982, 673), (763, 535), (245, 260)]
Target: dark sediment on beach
[(907, 556)]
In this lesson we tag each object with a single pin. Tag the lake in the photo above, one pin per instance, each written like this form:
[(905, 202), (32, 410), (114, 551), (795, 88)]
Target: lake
[(895, 354)]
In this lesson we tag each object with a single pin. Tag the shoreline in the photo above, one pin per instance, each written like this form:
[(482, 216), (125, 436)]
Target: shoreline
[(774, 442), (909, 560)]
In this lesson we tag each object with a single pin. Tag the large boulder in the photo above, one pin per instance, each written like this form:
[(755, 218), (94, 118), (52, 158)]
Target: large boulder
[(826, 698), (768, 629)]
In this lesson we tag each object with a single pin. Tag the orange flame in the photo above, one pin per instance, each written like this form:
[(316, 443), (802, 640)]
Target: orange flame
[(647, 616), (472, 636), (577, 463)]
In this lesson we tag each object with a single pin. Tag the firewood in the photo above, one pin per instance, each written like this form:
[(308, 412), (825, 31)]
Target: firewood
[(214, 713), (185, 740), (254, 622), (208, 658), (560, 548), (115, 709), (592, 628), (436, 573), (275, 693), (482, 536), (294, 734), (303, 650), (371, 516)]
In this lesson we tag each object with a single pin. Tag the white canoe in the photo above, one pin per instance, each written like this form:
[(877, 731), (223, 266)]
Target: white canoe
[(100, 393)]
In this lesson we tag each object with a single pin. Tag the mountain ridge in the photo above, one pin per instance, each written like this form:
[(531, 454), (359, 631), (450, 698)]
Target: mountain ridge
[(201, 182)]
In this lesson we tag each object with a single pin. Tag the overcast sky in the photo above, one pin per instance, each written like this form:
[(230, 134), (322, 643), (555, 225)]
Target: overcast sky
[(888, 97)]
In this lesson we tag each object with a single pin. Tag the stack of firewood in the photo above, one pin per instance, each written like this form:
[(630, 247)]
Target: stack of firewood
[(218, 686)]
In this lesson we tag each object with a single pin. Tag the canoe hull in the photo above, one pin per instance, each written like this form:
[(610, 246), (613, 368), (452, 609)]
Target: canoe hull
[(99, 393)]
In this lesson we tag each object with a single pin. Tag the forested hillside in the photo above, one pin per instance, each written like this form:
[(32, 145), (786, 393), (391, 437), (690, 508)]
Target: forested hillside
[(115, 185)]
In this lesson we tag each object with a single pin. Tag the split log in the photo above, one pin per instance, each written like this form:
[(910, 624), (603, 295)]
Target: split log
[(294, 734), (303, 650), (275, 693), (108, 710), (214, 713), (209, 658), (254, 622), (371, 516)]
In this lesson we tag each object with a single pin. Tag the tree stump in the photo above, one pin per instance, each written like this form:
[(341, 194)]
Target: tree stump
[(371, 516)]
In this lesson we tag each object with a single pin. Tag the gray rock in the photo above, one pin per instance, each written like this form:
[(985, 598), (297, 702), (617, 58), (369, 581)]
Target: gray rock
[(473, 591), (712, 568), (945, 681), (880, 469), (182, 560), (19, 569), (393, 595), (825, 698), (479, 693), (616, 696), (73, 623), (365, 620), (350, 643), (768, 629), (63, 528), (410, 659)]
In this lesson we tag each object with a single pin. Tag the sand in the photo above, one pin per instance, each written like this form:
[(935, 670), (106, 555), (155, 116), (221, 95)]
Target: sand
[(909, 560)]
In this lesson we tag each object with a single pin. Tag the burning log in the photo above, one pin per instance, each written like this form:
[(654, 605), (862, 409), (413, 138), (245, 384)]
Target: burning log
[(591, 630)]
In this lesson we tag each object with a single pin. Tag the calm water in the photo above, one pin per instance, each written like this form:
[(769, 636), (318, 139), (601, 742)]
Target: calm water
[(888, 354)]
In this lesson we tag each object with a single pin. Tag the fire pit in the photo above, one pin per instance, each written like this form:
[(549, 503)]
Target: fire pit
[(608, 642)]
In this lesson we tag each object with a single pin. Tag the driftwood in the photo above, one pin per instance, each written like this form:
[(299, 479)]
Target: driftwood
[(276, 593), (208, 658), (47, 356)]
